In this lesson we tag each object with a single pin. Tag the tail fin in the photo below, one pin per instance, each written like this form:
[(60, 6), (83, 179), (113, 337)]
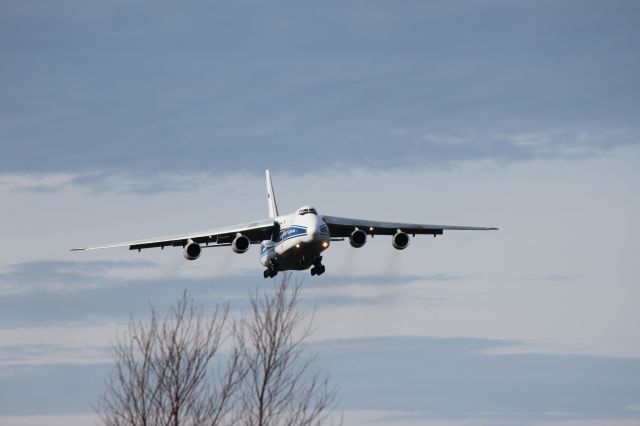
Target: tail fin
[(271, 198)]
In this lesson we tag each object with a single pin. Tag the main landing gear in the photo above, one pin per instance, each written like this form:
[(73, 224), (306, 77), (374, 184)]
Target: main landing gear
[(318, 268)]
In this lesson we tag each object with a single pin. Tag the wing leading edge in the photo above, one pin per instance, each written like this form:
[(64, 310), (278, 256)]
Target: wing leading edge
[(255, 231), (344, 226)]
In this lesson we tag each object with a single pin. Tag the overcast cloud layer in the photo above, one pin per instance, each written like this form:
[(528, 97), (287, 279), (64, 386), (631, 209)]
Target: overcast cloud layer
[(524, 388), (155, 87), (123, 120)]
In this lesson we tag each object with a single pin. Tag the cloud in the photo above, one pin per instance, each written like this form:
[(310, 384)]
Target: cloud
[(59, 292), (37, 390), (34, 355), (455, 378), (128, 100), (54, 292), (407, 377), (55, 420), (105, 182), (138, 183), (66, 276), (382, 279)]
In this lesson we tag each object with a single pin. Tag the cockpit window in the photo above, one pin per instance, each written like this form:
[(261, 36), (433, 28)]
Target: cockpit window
[(306, 210)]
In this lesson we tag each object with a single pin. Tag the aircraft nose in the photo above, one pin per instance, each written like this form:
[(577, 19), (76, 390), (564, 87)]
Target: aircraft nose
[(312, 229)]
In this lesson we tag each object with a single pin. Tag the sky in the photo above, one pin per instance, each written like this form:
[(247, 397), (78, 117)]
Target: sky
[(123, 120)]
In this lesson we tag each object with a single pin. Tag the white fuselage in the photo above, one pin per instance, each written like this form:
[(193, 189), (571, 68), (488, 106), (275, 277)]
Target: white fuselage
[(302, 238)]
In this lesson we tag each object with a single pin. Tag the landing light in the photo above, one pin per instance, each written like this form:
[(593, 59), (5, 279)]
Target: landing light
[(371, 228), (297, 245), (325, 244)]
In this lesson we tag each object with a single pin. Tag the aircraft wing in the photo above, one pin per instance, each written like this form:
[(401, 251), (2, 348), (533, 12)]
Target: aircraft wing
[(255, 231), (344, 226)]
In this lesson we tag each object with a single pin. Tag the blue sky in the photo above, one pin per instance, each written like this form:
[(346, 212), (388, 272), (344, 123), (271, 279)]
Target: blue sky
[(120, 121)]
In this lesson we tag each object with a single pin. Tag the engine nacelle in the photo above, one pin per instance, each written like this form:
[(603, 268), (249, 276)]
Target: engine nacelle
[(400, 240), (357, 238), (192, 251), (240, 243)]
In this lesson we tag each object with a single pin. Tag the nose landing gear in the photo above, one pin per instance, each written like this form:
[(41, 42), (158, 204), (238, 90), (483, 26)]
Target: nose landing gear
[(271, 271), (318, 268)]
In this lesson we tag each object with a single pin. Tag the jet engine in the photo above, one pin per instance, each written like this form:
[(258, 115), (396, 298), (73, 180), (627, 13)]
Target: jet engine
[(357, 238), (192, 251), (240, 243), (400, 240)]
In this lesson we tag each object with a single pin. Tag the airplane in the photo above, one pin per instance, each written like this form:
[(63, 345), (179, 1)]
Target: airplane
[(290, 242)]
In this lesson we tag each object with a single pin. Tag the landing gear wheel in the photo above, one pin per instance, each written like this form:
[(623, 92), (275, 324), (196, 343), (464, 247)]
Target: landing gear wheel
[(317, 270), (270, 273), (318, 267)]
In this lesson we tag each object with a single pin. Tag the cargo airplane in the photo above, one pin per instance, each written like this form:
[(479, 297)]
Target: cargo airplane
[(290, 242)]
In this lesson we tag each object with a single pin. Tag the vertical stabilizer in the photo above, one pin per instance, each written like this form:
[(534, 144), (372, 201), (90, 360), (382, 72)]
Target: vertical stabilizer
[(271, 198)]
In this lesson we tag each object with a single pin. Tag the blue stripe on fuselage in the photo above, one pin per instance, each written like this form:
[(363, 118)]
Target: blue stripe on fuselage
[(292, 232), (285, 234)]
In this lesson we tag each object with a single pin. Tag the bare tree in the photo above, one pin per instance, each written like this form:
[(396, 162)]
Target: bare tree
[(163, 373), (279, 388)]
